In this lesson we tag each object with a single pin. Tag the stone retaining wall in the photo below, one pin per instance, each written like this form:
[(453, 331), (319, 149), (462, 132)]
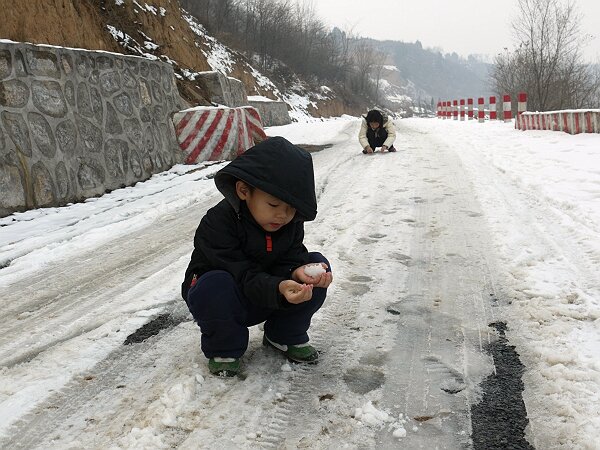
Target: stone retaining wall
[(75, 123)]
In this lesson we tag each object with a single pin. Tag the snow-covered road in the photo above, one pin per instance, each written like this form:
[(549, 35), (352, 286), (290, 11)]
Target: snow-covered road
[(429, 246)]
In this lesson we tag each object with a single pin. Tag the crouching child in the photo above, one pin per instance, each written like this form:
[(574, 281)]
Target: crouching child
[(249, 260)]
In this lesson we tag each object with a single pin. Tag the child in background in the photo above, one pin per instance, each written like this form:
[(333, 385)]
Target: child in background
[(249, 260), (376, 130)]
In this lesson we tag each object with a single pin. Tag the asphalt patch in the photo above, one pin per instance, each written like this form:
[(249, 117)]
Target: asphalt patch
[(499, 420), (152, 328)]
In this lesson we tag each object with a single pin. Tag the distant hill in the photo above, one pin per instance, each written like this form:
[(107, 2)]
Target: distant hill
[(423, 74)]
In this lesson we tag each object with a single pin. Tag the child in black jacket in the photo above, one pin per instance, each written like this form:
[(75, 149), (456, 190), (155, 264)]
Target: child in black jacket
[(249, 263)]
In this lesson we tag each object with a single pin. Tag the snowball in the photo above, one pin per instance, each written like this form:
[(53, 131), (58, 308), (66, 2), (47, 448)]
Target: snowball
[(399, 433), (313, 270)]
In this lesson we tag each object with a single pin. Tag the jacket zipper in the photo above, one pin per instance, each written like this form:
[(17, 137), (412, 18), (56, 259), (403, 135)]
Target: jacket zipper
[(269, 243)]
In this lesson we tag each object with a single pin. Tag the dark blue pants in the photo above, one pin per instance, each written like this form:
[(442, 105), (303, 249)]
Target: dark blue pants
[(224, 314), (377, 137)]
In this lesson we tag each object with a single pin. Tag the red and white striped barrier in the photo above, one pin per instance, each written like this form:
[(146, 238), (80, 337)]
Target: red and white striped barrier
[(507, 108), (521, 108), (493, 108), (465, 108), (522, 103), (569, 121), (210, 134), (480, 110)]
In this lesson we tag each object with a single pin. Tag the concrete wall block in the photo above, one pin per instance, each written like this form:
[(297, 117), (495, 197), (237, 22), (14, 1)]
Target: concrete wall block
[(272, 113), (224, 90), (75, 123), (209, 133), (237, 92)]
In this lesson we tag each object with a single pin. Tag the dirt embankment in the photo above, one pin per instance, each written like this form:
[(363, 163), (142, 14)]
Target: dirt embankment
[(66, 23)]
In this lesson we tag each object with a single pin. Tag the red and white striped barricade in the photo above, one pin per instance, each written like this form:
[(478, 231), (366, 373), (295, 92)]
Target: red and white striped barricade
[(556, 122), (480, 110), (522, 103), (506, 108), (455, 109), (521, 108), (470, 108), (217, 133), (462, 109), (586, 121), (568, 121), (592, 121), (439, 110), (493, 108), (576, 123)]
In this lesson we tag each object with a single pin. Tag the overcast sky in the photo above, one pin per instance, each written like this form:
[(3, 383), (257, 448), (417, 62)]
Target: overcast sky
[(461, 26)]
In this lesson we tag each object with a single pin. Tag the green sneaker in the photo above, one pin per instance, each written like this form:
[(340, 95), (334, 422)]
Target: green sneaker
[(301, 353), (224, 367)]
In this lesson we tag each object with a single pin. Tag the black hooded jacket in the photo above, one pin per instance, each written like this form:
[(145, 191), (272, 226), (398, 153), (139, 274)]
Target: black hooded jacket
[(228, 238)]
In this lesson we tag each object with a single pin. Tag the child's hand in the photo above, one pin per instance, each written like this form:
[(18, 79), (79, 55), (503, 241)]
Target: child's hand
[(295, 292), (323, 280)]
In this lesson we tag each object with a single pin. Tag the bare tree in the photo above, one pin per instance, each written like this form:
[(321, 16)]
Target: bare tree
[(548, 63), (379, 59), (363, 56)]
